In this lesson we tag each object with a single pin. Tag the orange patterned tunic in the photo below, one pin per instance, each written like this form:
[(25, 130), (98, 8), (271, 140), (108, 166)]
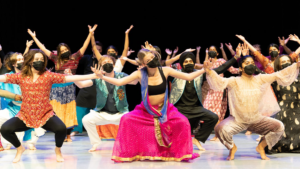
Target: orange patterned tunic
[(36, 108)]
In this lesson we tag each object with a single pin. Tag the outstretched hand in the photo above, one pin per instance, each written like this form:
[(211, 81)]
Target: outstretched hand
[(198, 48), (245, 49), (283, 41), (168, 51), (239, 50), (175, 50), (29, 43), (130, 52), (0, 47), (128, 30), (242, 38), (92, 29), (190, 50), (32, 34), (221, 46), (294, 38), (98, 71), (148, 46), (229, 46), (207, 65)]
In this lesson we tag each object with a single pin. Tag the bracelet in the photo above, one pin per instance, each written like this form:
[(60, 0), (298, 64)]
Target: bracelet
[(18, 97)]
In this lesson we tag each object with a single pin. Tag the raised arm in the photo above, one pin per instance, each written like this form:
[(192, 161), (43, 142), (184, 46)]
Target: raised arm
[(94, 48), (169, 53), (172, 60), (126, 45), (38, 43), (181, 75), (206, 54), (223, 52), (87, 41), (283, 43), (28, 44), (229, 47), (83, 84), (295, 55), (198, 54)]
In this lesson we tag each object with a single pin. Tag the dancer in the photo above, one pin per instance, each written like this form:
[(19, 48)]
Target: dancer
[(186, 97), (216, 101), (11, 96), (36, 111), (111, 101), (160, 132), (267, 63), (63, 95), (251, 99)]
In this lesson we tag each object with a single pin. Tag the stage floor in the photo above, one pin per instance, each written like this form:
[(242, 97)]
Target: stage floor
[(77, 156)]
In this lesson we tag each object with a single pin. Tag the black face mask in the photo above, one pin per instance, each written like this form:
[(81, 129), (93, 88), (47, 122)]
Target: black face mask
[(38, 65), (113, 55), (108, 67), (19, 66), (212, 54), (65, 55), (250, 69), (189, 68), (153, 63), (274, 54), (285, 65)]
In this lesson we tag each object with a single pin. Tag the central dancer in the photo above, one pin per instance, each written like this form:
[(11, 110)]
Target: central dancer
[(154, 130), (250, 100)]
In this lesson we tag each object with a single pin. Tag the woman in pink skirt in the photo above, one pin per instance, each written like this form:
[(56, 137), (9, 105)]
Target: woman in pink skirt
[(154, 130)]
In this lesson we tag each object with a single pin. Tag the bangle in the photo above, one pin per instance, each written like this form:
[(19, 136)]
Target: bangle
[(18, 97)]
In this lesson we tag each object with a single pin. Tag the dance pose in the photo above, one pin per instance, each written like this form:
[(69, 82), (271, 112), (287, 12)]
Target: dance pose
[(154, 130), (87, 95), (111, 101), (36, 111), (63, 95), (250, 101), (216, 101), (186, 97)]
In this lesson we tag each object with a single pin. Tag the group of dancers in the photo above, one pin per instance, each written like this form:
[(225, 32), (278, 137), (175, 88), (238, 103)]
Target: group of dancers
[(181, 103)]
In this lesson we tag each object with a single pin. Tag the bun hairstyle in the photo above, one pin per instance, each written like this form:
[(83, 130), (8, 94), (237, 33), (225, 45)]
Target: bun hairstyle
[(143, 52)]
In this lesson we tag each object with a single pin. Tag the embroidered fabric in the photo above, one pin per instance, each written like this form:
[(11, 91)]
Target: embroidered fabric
[(251, 98)]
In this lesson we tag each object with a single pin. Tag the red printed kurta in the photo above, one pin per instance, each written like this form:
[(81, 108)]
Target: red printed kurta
[(216, 101), (36, 108), (72, 63)]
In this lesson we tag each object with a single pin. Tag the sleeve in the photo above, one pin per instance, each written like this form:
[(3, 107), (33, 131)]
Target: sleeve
[(57, 78), (294, 56), (284, 77), (281, 49), (13, 78), (264, 61), (216, 82), (77, 56), (118, 66), (53, 57), (226, 65), (2, 56)]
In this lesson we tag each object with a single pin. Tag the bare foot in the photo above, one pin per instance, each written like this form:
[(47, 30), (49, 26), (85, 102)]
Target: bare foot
[(94, 148), (8, 147), (214, 139), (248, 133), (31, 147), (259, 138), (59, 157), (232, 153), (68, 139), (74, 133), (262, 152), (20, 151), (197, 143)]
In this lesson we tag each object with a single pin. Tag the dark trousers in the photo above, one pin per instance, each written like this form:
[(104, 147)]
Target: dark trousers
[(209, 118), (13, 125)]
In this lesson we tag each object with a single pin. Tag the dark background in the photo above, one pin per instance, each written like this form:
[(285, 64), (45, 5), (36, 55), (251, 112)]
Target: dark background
[(185, 24)]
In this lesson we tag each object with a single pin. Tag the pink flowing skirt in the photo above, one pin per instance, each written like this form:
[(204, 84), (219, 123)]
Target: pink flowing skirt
[(136, 137)]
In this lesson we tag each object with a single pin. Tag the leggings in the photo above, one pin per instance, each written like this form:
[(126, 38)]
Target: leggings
[(14, 124), (69, 131)]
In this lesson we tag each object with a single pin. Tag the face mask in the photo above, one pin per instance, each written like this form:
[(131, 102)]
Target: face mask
[(153, 63), (285, 65), (189, 68), (65, 55), (250, 69), (274, 54), (38, 65), (19, 65), (108, 67), (212, 54), (113, 55)]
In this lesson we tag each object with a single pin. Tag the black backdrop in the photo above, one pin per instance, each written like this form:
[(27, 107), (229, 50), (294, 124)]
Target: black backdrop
[(186, 24)]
